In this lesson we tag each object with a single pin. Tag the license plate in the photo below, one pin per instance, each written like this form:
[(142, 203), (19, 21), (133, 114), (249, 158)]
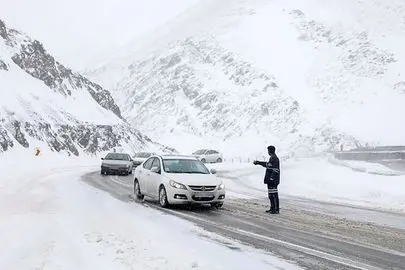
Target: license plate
[(203, 194)]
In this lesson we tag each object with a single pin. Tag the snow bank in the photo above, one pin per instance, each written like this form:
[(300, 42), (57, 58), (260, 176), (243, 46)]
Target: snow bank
[(318, 179), (52, 220), (367, 167)]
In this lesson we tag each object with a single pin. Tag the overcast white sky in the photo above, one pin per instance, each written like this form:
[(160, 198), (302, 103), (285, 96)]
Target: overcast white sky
[(80, 33)]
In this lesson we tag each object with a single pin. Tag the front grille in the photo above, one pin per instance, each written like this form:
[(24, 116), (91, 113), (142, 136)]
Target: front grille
[(114, 166), (202, 188), (203, 199)]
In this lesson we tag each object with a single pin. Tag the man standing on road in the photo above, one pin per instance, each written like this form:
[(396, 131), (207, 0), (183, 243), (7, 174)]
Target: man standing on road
[(271, 178)]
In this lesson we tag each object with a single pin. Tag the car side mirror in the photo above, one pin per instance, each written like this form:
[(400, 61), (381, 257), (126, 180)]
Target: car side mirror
[(213, 171), (102, 158), (155, 170)]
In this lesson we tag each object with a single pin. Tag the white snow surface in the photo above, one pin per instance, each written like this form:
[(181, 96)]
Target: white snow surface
[(341, 62), (350, 183), (50, 219)]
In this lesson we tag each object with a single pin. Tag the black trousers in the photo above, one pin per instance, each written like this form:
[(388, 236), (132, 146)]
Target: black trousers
[(273, 196)]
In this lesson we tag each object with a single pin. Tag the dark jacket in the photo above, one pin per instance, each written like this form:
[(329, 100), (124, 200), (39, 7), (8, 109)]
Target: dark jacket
[(272, 175)]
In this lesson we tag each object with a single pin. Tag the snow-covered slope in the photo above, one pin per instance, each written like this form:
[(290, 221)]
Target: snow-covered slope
[(306, 76), (80, 34), (44, 103)]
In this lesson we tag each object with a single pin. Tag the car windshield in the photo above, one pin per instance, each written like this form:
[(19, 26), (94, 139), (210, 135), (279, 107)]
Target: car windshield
[(184, 166), (143, 155), (116, 156), (199, 152)]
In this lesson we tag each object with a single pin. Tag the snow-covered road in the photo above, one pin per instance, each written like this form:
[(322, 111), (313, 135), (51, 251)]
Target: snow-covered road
[(49, 219), (306, 236)]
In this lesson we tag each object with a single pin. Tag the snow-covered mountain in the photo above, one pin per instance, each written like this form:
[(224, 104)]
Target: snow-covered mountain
[(301, 75), (44, 103), (80, 34)]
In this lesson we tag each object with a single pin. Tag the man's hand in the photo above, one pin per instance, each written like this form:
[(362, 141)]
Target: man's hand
[(255, 162)]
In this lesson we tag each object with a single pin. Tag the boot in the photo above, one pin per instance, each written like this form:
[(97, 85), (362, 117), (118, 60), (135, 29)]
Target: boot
[(277, 203)]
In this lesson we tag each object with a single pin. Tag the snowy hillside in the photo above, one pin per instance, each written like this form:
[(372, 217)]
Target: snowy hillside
[(82, 33), (44, 103), (305, 76)]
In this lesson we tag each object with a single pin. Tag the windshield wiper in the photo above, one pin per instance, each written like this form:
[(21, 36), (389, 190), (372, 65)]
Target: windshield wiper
[(197, 172)]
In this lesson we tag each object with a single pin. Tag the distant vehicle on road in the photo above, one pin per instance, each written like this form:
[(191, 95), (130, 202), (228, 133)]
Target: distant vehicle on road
[(119, 163), (208, 156), (173, 179), (140, 157)]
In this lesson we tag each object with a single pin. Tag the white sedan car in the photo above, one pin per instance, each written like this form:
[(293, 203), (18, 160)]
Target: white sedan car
[(119, 163), (208, 156), (178, 180)]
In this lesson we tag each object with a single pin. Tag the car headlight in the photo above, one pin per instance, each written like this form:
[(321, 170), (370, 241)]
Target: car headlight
[(221, 186), (177, 185)]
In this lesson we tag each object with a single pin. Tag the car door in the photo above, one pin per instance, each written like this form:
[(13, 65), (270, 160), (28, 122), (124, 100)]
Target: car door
[(154, 178), (215, 156), (210, 156), (144, 174)]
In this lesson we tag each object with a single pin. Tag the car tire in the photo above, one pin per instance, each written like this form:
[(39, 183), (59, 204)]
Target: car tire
[(163, 197), (137, 191), (219, 160), (102, 172)]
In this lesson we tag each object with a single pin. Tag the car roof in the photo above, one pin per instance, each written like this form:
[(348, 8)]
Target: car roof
[(178, 157)]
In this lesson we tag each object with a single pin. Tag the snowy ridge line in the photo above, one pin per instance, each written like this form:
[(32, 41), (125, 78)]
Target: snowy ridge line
[(46, 104)]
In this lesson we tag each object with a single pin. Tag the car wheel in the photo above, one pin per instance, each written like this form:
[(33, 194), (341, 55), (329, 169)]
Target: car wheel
[(137, 191), (203, 160), (102, 172), (163, 197), (219, 160)]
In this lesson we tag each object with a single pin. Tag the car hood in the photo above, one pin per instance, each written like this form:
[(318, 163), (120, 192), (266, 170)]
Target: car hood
[(195, 179), (116, 162)]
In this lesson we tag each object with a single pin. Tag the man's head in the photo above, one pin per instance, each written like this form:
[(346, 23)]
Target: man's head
[(271, 149)]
